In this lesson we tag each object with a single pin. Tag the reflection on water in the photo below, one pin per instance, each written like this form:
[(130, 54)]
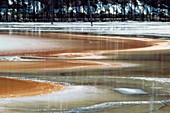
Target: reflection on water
[(94, 91), (141, 85)]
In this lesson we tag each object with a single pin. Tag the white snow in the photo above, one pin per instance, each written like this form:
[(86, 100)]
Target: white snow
[(18, 58), (115, 28)]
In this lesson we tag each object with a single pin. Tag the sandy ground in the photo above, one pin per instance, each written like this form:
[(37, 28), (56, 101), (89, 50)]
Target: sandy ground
[(57, 45)]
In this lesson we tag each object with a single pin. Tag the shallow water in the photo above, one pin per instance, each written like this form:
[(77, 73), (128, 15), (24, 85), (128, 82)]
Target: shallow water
[(144, 79), (94, 91)]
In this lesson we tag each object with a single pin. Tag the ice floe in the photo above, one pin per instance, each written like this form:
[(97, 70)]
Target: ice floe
[(130, 91)]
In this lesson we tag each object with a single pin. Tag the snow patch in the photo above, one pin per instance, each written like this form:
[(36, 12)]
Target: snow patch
[(18, 58)]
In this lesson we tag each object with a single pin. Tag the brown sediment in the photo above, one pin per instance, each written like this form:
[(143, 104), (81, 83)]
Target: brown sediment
[(10, 88), (60, 45), (56, 45), (43, 65)]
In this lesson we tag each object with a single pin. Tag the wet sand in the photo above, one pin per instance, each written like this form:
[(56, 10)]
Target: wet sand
[(60, 46)]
